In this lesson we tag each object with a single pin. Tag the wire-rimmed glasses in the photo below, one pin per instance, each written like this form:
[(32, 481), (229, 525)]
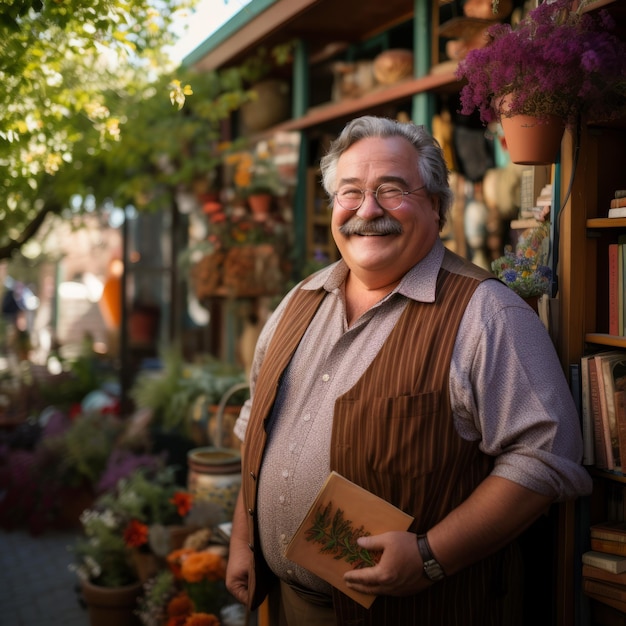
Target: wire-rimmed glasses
[(388, 197)]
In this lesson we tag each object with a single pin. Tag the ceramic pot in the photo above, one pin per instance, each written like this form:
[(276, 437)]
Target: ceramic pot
[(112, 605), (214, 475), (260, 204), (531, 140)]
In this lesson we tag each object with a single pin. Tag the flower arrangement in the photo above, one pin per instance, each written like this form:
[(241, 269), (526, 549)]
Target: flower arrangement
[(522, 270), (144, 504), (102, 556), (191, 591), (255, 172), (555, 61)]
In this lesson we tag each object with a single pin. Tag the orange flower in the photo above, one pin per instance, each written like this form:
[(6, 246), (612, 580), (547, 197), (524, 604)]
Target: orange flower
[(202, 619), (136, 534), (182, 501), (175, 558), (180, 605), (204, 565)]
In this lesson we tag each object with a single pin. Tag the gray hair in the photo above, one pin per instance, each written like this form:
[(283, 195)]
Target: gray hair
[(429, 162)]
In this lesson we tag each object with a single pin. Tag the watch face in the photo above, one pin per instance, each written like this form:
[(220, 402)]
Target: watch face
[(433, 570)]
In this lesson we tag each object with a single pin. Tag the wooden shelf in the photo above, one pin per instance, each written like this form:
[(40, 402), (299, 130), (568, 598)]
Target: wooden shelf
[(604, 339), (444, 82)]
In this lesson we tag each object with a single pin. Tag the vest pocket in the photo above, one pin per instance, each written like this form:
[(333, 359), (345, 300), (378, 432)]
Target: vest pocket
[(390, 435)]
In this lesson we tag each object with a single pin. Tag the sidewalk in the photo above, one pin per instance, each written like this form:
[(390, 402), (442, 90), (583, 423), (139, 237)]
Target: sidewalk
[(36, 586)]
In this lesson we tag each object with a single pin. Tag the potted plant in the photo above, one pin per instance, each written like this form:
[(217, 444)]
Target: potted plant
[(558, 64), (523, 269), (109, 583)]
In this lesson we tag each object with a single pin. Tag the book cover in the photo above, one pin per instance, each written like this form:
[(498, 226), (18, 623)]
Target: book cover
[(602, 439), (609, 547), (614, 379), (342, 505), (589, 571), (612, 531), (586, 414), (613, 289), (618, 212), (610, 562)]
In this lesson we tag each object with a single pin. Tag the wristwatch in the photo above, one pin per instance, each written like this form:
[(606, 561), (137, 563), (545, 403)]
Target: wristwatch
[(432, 567)]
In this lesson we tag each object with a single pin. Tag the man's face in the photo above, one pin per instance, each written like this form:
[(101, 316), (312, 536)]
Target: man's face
[(384, 258)]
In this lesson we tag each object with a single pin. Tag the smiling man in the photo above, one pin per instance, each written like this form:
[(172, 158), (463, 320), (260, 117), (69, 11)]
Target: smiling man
[(416, 375)]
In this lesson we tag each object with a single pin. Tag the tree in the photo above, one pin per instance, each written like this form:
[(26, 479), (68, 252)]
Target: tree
[(85, 108)]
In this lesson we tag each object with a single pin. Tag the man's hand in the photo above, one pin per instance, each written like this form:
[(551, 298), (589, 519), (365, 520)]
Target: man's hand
[(399, 571), (239, 556)]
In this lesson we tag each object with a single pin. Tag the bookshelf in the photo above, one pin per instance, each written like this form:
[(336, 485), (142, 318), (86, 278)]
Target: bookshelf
[(591, 170)]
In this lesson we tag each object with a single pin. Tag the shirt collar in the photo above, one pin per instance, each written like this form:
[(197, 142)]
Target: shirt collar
[(419, 283)]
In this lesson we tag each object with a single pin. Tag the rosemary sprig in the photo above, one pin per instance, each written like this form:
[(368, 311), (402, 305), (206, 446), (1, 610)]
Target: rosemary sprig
[(338, 537)]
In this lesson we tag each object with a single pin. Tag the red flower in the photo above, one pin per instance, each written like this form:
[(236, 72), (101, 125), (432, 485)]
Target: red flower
[(182, 500), (136, 534)]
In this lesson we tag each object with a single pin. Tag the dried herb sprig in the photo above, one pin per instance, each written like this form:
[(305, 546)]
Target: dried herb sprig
[(339, 538)]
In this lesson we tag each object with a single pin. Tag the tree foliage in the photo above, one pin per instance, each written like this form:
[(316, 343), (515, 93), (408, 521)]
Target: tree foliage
[(86, 111)]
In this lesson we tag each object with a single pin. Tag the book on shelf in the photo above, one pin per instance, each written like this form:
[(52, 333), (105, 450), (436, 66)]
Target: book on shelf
[(612, 602), (618, 212), (341, 502), (604, 560), (589, 571), (614, 289), (620, 193), (586, 415), (617, 203), (604, 588), (620, 289), (602, 438), (614, 379), (613, 531), (609, 547)]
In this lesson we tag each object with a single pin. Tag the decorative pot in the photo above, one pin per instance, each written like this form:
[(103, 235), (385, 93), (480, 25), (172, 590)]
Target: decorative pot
[(272, 105), (146, 564), (112, 605), (214, 475), (531, 140), (260, 204)]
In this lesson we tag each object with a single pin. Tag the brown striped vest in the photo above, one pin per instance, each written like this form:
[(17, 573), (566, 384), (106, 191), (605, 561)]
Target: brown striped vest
[(393, 434)]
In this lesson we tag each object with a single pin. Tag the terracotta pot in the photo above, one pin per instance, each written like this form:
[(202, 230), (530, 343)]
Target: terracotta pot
[(112, 605), (215, 476), (531, 140), (147, 564), (260, 204)]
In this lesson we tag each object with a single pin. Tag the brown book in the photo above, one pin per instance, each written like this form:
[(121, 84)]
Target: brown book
[(604, 589), (589, 571), (341, 502), (611, 531), (609, 562), (610, 547), (601, 434), (616, 203)]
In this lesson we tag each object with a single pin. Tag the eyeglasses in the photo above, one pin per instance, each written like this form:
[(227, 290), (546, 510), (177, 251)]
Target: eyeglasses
[(388, 197)]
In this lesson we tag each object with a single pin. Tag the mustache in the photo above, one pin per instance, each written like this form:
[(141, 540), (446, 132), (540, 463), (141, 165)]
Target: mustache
[(384, 225)]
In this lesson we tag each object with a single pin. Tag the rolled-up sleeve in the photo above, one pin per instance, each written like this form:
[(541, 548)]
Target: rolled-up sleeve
[(508, 391)]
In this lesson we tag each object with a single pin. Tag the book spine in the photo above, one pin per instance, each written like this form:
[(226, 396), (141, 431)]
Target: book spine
[(589, 456), (589, 571), (607, 534), (613, 290), (604, 589), (616, 203), (598, 427), (620, 418), (608, 563), (617, 212), (612, 602), (610, 547)]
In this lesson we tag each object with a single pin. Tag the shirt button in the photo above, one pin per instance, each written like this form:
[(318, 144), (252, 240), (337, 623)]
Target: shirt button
[(306, 417), (281, 499), (290, 572), (285, 473), (326, 377)]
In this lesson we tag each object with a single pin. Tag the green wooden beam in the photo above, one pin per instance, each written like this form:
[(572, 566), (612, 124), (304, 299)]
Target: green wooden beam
[(423, 103)]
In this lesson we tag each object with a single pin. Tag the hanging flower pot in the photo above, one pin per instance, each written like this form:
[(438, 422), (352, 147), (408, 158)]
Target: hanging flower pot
[(531, 140)]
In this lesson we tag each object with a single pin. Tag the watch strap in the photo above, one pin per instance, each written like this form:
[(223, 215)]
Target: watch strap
[(432, 567)]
